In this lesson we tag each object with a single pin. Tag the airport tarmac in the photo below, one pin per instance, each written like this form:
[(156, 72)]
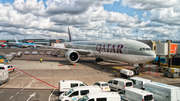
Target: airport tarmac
[(37, 81)]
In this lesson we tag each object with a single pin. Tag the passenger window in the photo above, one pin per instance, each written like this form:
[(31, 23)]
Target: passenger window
[(74, 94), (143, 49), (84, 92), (101, 99), (74, 85), (97, 84), (91, 100), (115, 82), (82, 84), (110, 81), (140, 49)]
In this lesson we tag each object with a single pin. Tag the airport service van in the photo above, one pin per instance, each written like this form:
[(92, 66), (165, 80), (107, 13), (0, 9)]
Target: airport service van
[(118, 84), (163, 92), (139, 82), (126, 73), (103, 96), (135, 94), (66, 85), (77, 92), (4, 76), (10, 68)]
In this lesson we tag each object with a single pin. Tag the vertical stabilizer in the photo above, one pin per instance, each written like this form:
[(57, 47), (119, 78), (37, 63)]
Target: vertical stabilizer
[(16, 40), (69, 35)]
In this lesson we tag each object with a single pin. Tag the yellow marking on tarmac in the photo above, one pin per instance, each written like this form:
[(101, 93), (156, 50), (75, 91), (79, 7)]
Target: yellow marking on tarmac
[(118, 67)]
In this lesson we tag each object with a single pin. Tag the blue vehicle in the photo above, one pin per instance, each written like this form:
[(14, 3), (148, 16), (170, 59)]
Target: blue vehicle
[(3, 59)]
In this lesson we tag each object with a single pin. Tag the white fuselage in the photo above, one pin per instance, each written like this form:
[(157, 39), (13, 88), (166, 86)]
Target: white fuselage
[(129, 51)]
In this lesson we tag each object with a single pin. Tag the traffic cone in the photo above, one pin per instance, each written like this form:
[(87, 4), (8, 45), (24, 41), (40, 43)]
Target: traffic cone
[(26, 59), (74, 64)]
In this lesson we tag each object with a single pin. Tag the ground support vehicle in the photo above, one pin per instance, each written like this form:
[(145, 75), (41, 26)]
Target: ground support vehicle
[(118, 84), (172, 72), (163, 92), (139, 82), (135, 94), (4, 76), (77, 92), (66, 85), (103, 96)]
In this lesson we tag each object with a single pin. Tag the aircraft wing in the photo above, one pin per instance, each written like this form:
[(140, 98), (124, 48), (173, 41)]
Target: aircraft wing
[(80, 51)]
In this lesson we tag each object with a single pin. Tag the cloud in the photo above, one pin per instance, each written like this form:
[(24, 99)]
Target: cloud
[(28, 6), (168, 16), (150, 4)]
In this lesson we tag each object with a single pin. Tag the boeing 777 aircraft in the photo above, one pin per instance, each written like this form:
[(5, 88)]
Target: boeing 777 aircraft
[(23, 44), (129, 51)]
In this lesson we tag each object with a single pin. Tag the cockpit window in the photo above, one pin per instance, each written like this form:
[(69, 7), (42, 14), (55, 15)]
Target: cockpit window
[(148, 49), (144, 49)]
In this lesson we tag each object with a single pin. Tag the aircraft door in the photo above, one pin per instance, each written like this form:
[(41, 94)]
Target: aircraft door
[(125, 50)]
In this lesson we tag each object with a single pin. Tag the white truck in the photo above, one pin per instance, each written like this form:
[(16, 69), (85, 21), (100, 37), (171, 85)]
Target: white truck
[(135, 94), (66, 85), (118, 84), (139, 82), (77, 92), (103, 96), (4, 76), (163, 92)]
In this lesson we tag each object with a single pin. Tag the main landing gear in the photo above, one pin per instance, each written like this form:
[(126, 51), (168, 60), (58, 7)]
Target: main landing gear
[(136, 72), (99, 59)]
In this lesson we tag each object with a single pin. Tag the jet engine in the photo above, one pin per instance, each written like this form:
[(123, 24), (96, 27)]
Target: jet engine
[(72, 56)]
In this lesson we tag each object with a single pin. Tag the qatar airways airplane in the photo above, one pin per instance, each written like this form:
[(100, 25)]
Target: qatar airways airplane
[(129, 51)]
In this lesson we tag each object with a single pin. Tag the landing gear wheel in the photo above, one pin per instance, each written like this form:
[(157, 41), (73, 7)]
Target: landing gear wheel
[(136, 72), (98, 60)]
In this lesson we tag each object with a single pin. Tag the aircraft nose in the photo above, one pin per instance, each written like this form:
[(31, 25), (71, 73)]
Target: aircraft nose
[(153, 56)]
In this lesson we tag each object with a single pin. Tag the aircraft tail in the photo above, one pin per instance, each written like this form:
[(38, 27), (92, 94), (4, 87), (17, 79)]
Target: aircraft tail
[(69, 35), (16, 40)]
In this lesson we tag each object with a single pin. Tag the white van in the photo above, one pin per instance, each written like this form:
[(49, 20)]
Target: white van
[(66, 85), (139, 82), (135, 94), (78, 92), (163, 92), (103, 96), (118, 84), (4, 76)]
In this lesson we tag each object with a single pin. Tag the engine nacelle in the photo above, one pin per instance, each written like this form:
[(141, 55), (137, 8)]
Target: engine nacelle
[(72, 56)]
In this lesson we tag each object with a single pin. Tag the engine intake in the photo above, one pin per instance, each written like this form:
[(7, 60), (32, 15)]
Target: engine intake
[(72, 56)]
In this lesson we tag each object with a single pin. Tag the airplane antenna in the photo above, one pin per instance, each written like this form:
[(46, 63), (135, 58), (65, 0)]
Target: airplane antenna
[(69, 35)]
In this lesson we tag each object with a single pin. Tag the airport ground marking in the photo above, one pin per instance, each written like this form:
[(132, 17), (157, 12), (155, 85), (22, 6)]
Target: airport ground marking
[(16, 76), (51, 94), (15, 73), (32, 95), (1, 92), (36, 78), (11, 97)]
